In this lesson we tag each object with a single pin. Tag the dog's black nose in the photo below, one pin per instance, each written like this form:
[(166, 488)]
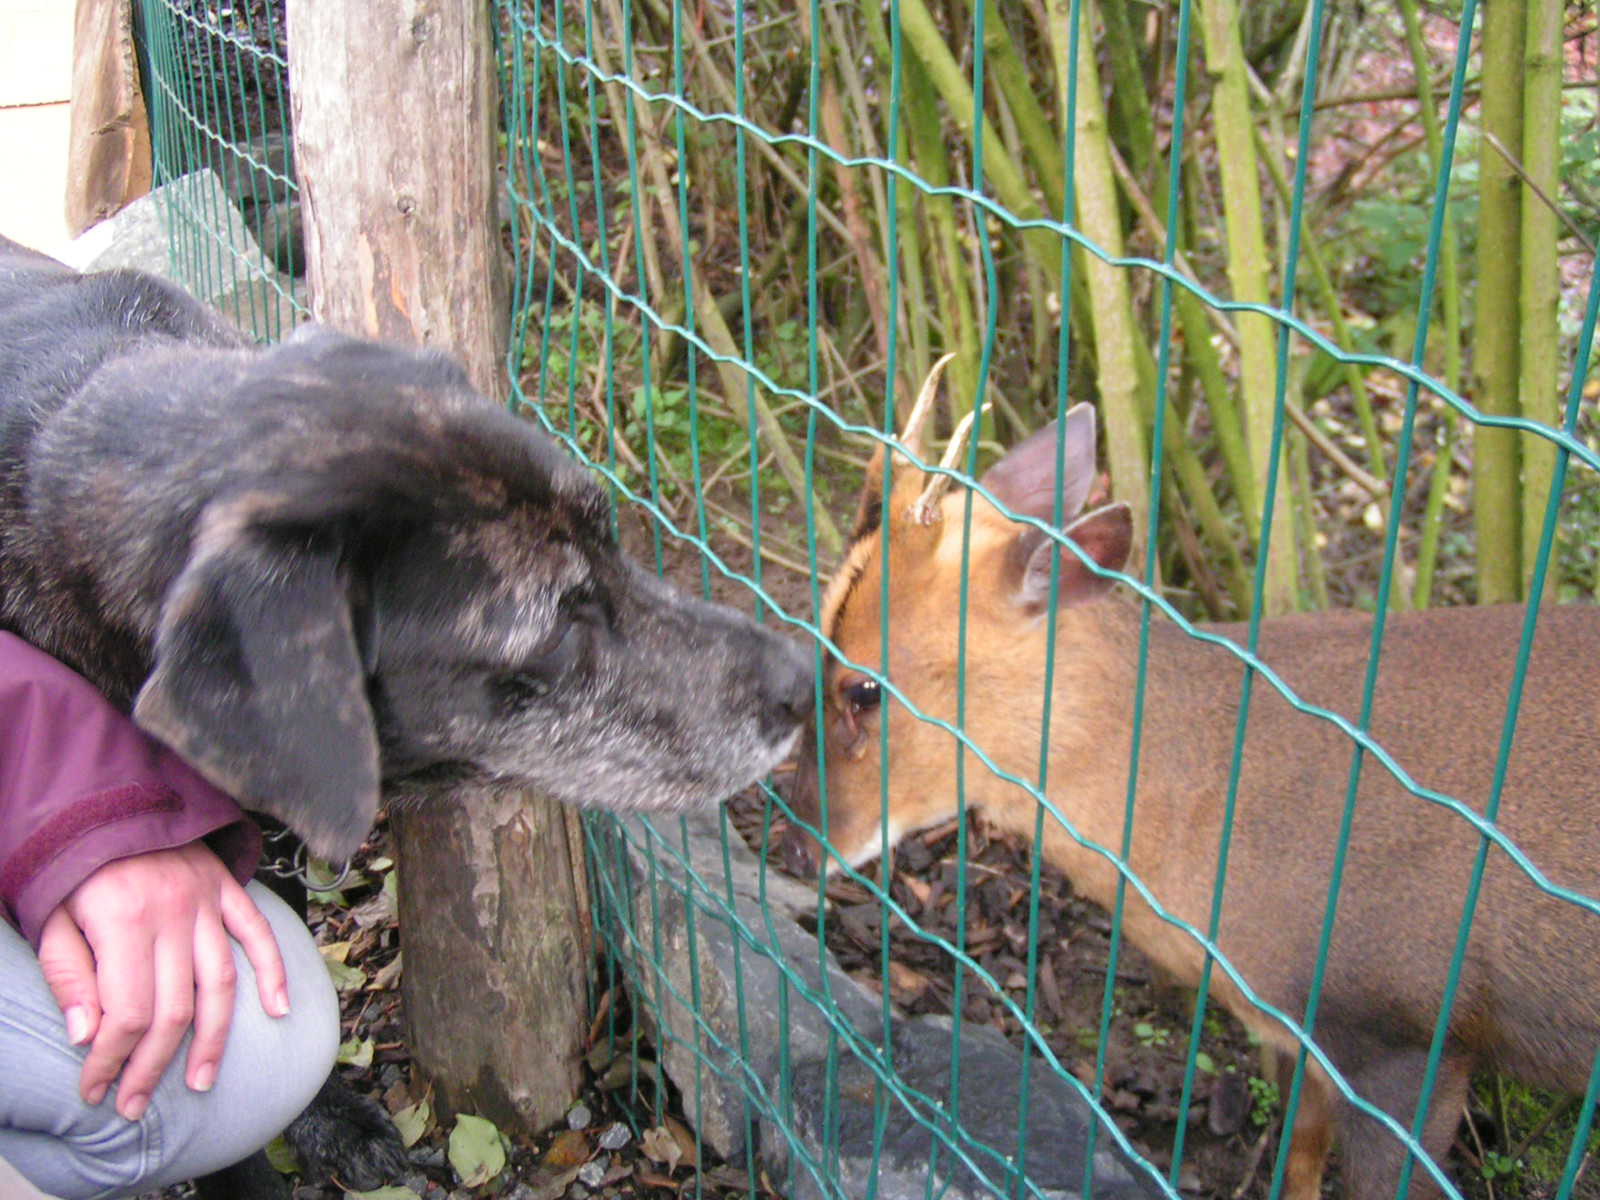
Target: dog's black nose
[(788, 685)]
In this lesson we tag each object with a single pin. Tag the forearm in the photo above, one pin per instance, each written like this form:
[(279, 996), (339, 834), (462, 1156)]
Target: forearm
[(81, 786)]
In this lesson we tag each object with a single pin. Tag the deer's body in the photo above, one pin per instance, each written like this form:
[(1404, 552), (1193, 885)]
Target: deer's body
[(1529, 995)]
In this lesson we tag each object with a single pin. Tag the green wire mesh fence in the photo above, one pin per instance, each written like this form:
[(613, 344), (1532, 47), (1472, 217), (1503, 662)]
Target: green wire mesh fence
[(670, 165), (217, 94), (1264, 240)]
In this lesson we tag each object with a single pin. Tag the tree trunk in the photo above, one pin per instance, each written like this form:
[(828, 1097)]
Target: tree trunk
[(1496, 509), (395, 133)]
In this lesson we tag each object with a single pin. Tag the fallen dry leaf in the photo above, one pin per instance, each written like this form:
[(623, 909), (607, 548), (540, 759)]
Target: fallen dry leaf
[(905, 983), (687, 1142), (570, 1149), (658, 1144)]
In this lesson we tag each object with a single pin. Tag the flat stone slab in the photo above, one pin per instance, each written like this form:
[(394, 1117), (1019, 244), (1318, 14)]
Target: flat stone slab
[(189, 231), (735, 993)]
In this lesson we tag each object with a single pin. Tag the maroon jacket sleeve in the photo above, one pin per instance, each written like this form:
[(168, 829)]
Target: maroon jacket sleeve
[(81, 785)]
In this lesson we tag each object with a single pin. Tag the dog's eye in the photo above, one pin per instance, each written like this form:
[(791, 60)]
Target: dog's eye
[(587, 604), (540, 675), (862, 695)]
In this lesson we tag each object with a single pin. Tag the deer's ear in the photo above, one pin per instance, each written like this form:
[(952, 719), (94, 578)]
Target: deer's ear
[(1105, 536), (1026, 481)]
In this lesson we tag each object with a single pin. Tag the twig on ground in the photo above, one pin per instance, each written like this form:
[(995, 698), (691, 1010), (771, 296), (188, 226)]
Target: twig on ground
[(1256, 1151)]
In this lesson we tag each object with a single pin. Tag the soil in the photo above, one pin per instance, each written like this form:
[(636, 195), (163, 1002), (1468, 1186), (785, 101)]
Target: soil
[(1228, 1138), (609, 1149)]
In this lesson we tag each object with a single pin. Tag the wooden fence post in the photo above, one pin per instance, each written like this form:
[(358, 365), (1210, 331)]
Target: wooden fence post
[(395, 137)]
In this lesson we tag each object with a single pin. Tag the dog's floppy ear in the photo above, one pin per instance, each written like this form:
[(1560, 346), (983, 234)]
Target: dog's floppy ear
[(258, 680)]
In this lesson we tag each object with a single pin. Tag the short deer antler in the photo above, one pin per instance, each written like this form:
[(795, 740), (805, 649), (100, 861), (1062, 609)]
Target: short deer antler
[(926, 509), (911, 436)]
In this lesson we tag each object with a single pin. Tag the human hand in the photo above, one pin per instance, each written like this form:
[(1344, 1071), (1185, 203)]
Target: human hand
[(139, 952)]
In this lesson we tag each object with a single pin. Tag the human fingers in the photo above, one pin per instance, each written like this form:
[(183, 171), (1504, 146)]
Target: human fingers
[(254, 934), (215, 985), (171, 1015), (68, 966), (125, 972)]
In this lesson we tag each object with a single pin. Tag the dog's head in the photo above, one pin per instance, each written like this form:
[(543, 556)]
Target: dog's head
[(393, 581)]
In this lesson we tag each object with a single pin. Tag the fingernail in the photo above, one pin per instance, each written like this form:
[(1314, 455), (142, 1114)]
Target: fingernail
[(204, 1077), (77, 1024), (280, 1002), (132, 1107), (97, 1093)]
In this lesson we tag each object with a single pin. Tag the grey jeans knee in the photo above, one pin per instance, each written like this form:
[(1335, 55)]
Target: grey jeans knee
[(269, 1072)]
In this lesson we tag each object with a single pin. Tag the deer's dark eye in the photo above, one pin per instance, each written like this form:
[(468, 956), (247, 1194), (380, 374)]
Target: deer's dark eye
[(862, 695)]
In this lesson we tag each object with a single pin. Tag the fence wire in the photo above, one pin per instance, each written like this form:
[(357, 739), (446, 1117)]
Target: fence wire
[(741, 235)]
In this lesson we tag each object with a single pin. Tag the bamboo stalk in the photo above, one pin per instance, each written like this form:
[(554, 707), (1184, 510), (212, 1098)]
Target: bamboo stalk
[(1196, 318), (1496, 344), (1333, 308), (1247, 258), (955, 299), (1450, 294), (914, 319), (1006, 68), (1003, 174), (1130, 97), (720, 338), (1189, 478), (874, 285), (1538, 387), (723, 88), (1115, 330), (1305, 515)]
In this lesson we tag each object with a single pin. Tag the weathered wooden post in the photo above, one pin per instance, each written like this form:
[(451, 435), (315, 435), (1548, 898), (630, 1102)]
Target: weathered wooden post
[(108, 157), (395, 136)]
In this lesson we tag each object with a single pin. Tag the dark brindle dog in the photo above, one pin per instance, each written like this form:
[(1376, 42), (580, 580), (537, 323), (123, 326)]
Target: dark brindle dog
[(328, 568)]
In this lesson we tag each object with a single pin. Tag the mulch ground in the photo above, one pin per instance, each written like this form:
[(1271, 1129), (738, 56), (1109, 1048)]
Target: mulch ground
[(611, 1148), (1229, 1125)]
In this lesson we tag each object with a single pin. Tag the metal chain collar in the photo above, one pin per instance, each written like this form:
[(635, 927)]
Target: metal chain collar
[(286, 857)]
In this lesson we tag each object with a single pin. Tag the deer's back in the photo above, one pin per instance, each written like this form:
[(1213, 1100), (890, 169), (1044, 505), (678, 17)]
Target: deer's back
[(1531, 981)]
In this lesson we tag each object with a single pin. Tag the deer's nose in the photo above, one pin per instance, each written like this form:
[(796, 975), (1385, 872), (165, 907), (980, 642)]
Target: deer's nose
[(800, 852)]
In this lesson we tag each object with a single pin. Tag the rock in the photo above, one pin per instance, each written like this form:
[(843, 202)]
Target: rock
[(694, 996), (258, 176), (869, 1136), (188, 231), (737, 997)]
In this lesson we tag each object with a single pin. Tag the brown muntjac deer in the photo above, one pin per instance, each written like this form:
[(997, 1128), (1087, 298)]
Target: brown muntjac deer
[(1529, 995)]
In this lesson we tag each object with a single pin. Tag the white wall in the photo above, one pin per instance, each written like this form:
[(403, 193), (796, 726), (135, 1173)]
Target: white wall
[(35, 90)]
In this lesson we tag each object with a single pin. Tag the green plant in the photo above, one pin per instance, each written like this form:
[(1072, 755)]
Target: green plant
[(1151, 1036), (1264, 1101), (1534, 1133), (1497, 1167)]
